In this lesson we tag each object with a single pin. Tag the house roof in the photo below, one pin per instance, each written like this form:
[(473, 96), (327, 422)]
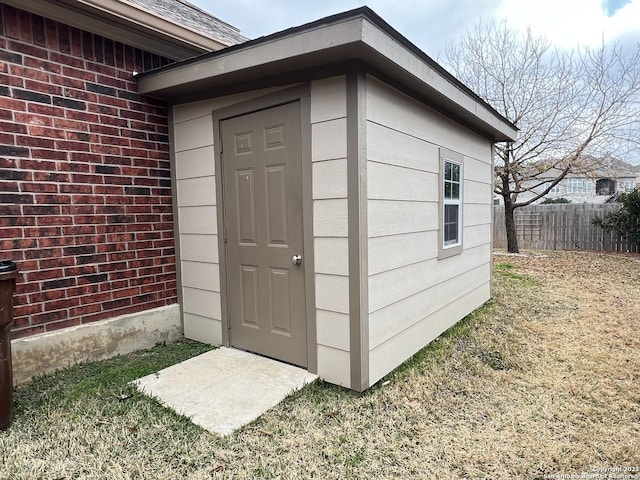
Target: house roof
[(193, 17), (172, 28), (358, 34), (606, 167)]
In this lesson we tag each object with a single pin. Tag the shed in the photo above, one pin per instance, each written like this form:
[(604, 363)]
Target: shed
[(333, 196)]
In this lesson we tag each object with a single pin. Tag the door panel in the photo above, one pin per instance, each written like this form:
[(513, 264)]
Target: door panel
[(262, 185), (246, 207), (279, 294), (277, 205), (249, 295)]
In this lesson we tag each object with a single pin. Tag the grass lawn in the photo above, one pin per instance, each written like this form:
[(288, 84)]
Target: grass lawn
[(543, 380)]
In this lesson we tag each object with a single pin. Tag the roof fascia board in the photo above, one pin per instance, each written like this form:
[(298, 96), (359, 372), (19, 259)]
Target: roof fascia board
[(126, 23), (398, 56), (254, 55)]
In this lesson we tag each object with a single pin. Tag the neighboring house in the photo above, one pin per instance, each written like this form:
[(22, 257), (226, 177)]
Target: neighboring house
[(333, 196), (85, 187), (598, 186), (330, 187)]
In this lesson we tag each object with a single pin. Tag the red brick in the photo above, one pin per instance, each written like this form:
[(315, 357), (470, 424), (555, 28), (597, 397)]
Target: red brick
[(85, 309), (12, 29), (71, 145), (37, 30), (63, 303), (24, 26), (27, 332), (78, 73), (96, 317), (75, 87), (24, 310), (43, 188), (42, 253), (80, 95), (38, 142), (81, 136), (37, 165), (104, 129), (51, 176), (46, 110), (53, 241), (42, 232), (34, 119), (54, 220), (71, 124), (30, 73), (79, 210), (52, 327), (56, 261), (75, 40), (117, 304), (51, 34), (11, 104), (28, 49), (105, 149), (10, 80), (13, 127), (49, 317), (42, 87), (39, 131), (79, 230)]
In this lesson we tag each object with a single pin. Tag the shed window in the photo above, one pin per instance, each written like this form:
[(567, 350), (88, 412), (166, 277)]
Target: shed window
[(451, 184)]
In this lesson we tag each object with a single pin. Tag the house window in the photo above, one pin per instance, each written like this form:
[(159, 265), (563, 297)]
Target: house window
[(556, 189), (451, 184), (605, 186), (574, 185), (627, 185)]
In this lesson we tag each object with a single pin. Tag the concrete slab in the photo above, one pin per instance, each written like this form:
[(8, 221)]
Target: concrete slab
[(224, 389)]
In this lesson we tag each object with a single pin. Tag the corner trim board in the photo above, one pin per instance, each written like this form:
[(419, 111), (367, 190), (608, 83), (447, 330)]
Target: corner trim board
[(357, 229)]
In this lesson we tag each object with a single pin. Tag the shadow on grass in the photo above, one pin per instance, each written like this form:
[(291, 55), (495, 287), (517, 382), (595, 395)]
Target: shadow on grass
[(107, 379)]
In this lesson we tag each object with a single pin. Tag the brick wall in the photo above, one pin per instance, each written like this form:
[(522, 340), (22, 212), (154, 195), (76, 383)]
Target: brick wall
[(85, 191)]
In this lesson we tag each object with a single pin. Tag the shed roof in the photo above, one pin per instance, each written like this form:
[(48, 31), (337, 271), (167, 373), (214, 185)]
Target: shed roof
[(358, 34)]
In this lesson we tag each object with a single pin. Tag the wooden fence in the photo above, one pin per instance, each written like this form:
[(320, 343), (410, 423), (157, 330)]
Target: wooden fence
[(560, 227)]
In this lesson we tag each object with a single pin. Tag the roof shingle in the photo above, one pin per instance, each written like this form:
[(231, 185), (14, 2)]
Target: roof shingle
[(190, 16)]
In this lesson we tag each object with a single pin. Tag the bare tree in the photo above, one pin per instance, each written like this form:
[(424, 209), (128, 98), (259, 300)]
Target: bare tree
[(572, 108)]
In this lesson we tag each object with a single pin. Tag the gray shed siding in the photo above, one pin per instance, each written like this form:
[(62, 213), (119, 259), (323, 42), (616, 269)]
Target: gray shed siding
[(413, 295)]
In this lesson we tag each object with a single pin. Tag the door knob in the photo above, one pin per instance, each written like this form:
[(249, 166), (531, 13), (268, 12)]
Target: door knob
[(296, 259)]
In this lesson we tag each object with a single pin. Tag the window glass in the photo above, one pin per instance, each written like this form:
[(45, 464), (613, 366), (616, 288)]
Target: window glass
[(452, 193), (451, 224)]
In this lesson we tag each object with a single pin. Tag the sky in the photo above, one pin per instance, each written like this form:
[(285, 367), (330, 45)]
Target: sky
[(431, 24)]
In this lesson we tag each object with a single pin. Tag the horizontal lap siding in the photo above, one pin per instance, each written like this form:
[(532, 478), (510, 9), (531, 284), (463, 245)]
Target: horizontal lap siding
[(197, 215), (85, 187), (330, 226), (414, 296)]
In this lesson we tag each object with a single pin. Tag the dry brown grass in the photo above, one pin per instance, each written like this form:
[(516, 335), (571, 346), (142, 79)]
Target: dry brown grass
[(542, 381)]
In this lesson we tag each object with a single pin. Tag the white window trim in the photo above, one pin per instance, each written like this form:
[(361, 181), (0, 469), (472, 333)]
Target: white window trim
[(445, 251)]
